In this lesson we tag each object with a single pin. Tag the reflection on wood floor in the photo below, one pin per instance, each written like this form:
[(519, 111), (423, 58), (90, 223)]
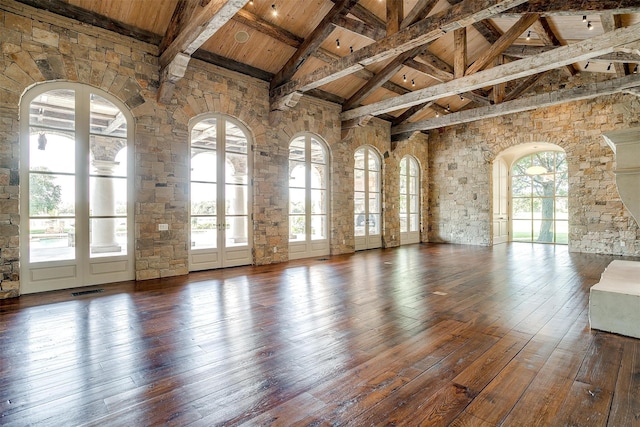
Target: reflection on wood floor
[(424, 334)]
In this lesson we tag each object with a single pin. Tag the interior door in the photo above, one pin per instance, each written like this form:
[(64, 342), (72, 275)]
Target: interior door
[(77, 188), (500, 202), (367, 199), (220, 195)]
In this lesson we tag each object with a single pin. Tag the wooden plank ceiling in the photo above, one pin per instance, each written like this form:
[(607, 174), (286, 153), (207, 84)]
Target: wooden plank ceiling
[(421, 64)]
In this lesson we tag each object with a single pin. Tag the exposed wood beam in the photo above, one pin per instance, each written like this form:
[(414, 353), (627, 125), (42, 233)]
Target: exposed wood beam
[(410, 112), (544, 31), (629, 55), (360, 28), (499, 88), (94, 19), (232, 65), (182, 14), (477, 98), (380, 78), (366, 16), (581, 51), (459, 52), (418, 34), (312, 42), (503, 42), (395, 13), (609, 23), (200, 27), (432, 66), (257, 23), (574, 7), (524, 86), (420, 11), (525, 104)]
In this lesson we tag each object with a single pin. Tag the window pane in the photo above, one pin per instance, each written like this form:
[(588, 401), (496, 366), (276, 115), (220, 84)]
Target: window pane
[(57, 154), (359, 202), (562, 232), (521, 186), (413, 205), (53, 109), (51, 239), (237, 200), (358, 180), (237, 169), (108, 237), (359, 224), (317, 152), (106, 118), (297, 176), (374, 223), (203, 199), (236, 232), (318, 201), (51, 195), (297, 228), (297, 200), (236, 140), (522, 209), (374, 163), (203, 165), (318, 227), (318, 176), (359, 158), (522, 230), (403, 204), (374, 180), (203, 134), (415, 223), (413, 185), (297, 150), (204, 232), (413, 168), (403, 222), (403, 166), (374, 203)]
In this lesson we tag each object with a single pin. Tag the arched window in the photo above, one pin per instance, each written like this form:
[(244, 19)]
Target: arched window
[(539, 190), (409, 201), (308, 197), (220, 193), (367, 197), (77, 187)]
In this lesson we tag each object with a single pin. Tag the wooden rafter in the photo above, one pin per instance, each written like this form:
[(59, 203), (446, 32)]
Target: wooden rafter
[(574, 7), (545, 33), (311, 43), (524, 86), (420, 33), (200, 27), (502, 43), (459, 52), (584, 50), (485, 28), (420, 11), (410, 112), (628, 55), (359, 27), (395, 13), (525, 104), (257, 23)]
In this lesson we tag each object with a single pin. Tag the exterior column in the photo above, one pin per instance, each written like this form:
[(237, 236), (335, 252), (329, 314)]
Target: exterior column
[(103, 230)]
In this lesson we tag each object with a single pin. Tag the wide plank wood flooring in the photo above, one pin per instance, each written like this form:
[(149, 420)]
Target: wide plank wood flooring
[(419, 335)]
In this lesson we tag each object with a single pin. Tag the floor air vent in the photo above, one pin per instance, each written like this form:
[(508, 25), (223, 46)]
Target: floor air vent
[(89, 292)]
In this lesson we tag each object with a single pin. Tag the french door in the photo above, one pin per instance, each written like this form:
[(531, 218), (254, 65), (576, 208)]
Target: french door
[(409, 201), (76, 186), (308, 197), (500, 202), (220, 194), (367, 199)]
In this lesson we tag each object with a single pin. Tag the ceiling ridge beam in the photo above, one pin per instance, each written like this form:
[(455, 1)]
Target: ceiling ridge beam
[(574, 8), (562, 96), (312, 42), (584, 50), (418, 34)]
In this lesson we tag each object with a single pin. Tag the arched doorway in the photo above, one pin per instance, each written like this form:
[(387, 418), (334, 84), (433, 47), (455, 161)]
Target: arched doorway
[(367, 197), (409, 201), (308, 197), (76, 186), (220, 193), (537, 188)]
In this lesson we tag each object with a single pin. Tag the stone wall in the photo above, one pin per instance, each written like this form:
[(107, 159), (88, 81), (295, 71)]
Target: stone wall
[(460, 170)]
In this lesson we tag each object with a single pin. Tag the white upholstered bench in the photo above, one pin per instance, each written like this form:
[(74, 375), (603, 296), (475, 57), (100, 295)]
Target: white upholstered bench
[(614, 302)]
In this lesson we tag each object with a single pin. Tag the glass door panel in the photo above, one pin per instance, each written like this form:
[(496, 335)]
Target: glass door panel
[(409, 201), (367, 199)]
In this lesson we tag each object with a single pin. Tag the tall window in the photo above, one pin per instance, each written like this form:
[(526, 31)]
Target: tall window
[(409, 200), (308, 197), (220, 208), (77, 188), (367, 198), (539, 198)]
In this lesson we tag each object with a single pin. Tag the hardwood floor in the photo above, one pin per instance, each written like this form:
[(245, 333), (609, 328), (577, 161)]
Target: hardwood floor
[(419, 335)]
